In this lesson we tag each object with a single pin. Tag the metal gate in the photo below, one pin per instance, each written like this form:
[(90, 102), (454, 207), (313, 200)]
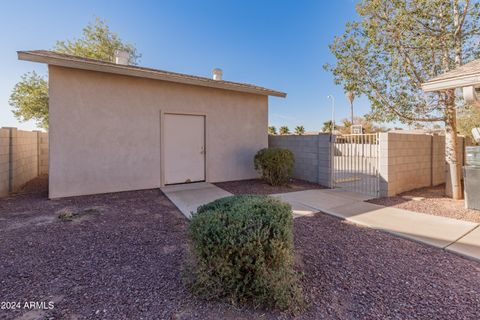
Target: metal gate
[(355, 163)]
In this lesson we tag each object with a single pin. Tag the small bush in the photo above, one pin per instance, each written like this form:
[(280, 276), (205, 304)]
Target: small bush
[(275, 165), (242, 250)]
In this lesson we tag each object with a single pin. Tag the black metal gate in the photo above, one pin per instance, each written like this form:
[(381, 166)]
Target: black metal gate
[(355, 163)]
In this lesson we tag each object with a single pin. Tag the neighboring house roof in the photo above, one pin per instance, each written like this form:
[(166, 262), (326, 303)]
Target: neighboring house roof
[(463, 76), (70, 61)]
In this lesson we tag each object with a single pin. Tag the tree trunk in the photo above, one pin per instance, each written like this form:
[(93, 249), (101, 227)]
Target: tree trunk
[(454, 166), (351, 111)]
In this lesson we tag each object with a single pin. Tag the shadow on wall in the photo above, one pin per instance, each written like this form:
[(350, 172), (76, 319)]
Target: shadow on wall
[(23, 157)]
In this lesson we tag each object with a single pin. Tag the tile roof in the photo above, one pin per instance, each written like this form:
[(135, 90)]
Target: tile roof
[(66, 60)]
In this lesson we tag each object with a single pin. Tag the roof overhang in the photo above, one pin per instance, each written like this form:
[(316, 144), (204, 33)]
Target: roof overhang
[(471, 80), (68, 61)]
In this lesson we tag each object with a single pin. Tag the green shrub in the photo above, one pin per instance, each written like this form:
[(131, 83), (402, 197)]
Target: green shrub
[(275, 165), (242, 250)]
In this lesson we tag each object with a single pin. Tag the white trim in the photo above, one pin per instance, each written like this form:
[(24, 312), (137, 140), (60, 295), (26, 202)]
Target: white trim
[(452, 83)]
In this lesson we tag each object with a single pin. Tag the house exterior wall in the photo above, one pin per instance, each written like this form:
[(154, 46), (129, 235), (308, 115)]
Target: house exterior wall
[(105, 130)]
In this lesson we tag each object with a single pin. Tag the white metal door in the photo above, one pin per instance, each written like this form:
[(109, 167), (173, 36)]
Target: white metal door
[(184, 148)]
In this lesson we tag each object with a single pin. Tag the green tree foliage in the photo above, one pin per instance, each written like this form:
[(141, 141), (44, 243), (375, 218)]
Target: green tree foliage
[(398, 45), (272, 130), (367, 126), (29, 97), (299, 130), (98, 42), (468, 118), (327, 126), (284, 130)]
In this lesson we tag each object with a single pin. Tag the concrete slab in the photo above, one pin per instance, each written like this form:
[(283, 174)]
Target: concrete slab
[(301, 210), (349, 194), (468, 245), (188, 197), (433, 230), (319, 199), (354, 211)]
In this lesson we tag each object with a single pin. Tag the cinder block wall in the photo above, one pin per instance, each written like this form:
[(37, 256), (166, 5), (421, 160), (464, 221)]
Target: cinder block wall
[(410, 161), (43, 153), (406, 161), (4, 159), (312, 155), (23, 157), (438, 160)]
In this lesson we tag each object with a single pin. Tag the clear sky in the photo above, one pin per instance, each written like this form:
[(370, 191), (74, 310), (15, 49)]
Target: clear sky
[(278, 44)]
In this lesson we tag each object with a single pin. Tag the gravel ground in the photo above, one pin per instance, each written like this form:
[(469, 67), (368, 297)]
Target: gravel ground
[(258, 186), (431, 200), (121, 258)]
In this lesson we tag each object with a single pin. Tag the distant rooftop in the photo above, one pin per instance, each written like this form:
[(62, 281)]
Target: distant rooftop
[(70, 61)]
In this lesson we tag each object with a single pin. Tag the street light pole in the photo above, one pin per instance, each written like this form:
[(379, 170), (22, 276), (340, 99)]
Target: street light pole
[(331, 97)]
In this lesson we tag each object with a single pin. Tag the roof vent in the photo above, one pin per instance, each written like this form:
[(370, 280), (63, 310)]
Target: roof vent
[(217, 74), (121, 57)]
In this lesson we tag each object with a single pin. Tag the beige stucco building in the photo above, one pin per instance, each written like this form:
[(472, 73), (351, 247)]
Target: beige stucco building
[(116, 127)]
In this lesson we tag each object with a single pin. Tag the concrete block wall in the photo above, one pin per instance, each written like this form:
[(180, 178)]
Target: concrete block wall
[(438, 160), (410, 161), (43, 153), (312, 155), (4, 161), (23, 157), (405, 162)]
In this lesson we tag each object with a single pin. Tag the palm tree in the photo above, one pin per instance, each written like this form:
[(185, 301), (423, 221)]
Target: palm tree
[(327, 126), (299, 130), (272, 130), (284, 130)]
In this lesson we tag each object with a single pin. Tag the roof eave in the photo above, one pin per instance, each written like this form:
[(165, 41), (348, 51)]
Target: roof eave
[(125, 70), (452, 83)]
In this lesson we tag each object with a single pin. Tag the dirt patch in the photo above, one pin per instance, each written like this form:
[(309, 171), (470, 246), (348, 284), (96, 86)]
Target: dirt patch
[(126, 263), (430, 200), (257, 186)]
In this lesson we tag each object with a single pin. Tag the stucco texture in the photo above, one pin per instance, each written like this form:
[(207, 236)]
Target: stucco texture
[(105, 130)]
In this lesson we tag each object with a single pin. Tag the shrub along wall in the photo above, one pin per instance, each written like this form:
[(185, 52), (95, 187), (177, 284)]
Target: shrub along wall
[(312, 155), (23, 157), (406, 161)]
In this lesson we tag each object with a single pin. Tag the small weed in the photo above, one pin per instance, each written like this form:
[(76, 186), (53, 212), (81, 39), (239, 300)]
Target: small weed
[(69, 215)]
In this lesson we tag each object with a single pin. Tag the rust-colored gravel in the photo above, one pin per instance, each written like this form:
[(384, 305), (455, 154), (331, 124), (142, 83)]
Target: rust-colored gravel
[(431, 200), (257, 186), (124, 260)]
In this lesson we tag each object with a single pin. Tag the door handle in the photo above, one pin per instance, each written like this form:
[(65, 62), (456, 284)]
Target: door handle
[(202, 151)]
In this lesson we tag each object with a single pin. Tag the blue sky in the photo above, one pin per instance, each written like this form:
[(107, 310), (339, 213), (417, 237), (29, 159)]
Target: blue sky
[(276, 44)]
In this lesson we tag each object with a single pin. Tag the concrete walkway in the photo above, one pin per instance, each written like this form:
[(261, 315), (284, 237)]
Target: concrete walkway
[(456, 236), (188, 197)]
